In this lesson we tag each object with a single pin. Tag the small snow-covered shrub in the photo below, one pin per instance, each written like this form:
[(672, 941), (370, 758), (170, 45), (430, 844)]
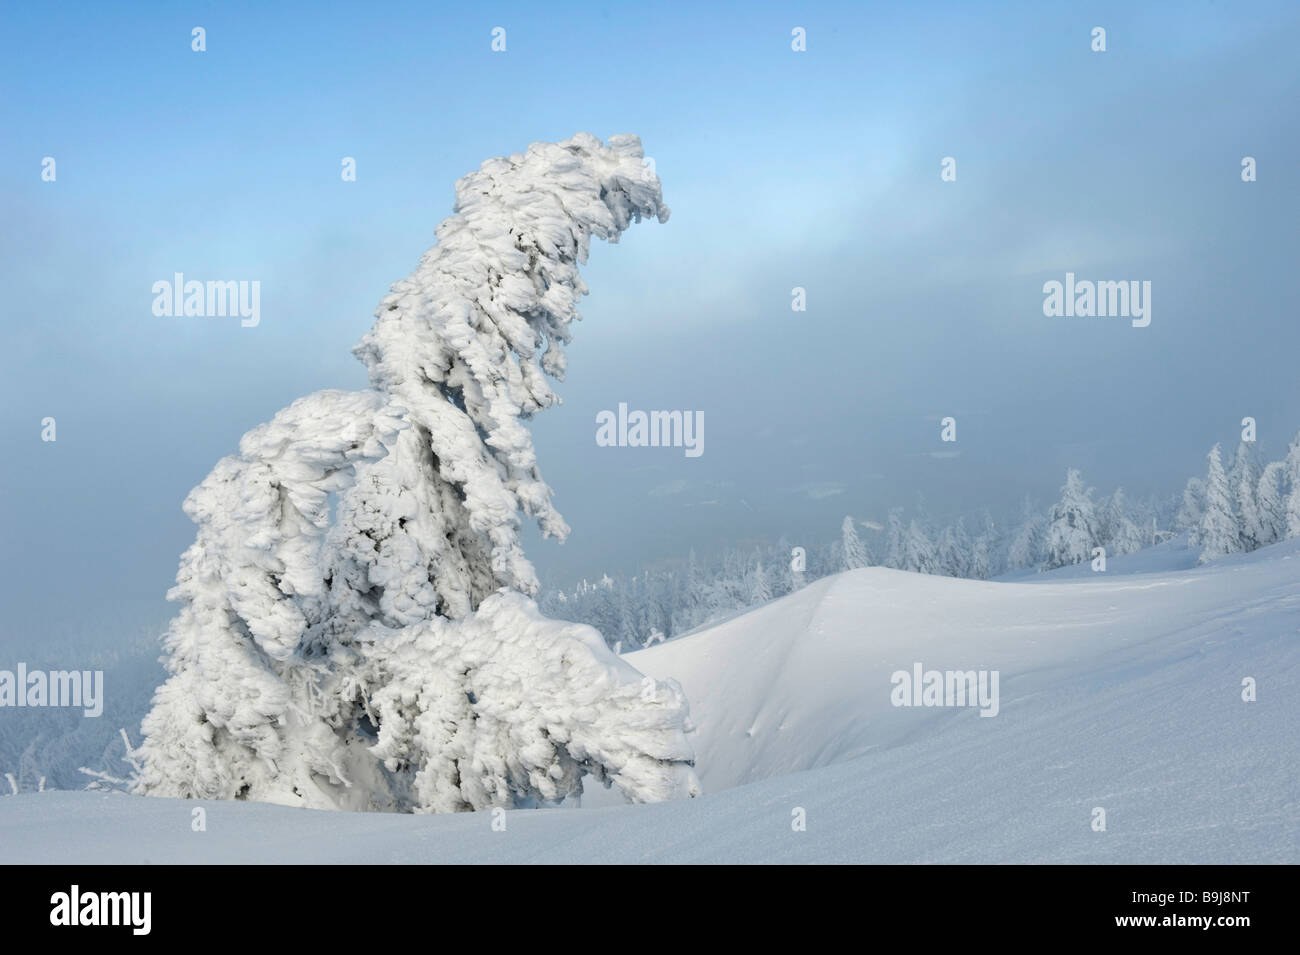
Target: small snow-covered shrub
[(507, 706)]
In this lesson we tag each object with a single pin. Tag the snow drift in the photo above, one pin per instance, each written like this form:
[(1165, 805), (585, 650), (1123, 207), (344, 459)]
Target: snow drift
[(1119, 691)]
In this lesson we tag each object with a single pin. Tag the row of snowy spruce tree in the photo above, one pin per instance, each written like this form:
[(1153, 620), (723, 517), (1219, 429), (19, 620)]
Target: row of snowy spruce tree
[(1230, 510)]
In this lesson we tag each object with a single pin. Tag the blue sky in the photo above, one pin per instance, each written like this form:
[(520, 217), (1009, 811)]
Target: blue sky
[(817, 169)]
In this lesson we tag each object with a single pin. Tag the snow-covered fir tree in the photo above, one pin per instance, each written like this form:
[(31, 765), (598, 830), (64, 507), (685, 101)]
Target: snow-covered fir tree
[(1120, 534), (1243, 479), (919, 554), (1249, 518), (695, 597), (1270, 502), (1027, 544), (759, 592), (981, 558), (1191, 510), (1071, 525), (853, 553), (356, 629), (1291, 472), (1219, 533), (895, 540), (955, 550)]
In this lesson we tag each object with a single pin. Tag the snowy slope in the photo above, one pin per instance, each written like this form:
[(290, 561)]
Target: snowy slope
[(1119, 691), (804, 681)]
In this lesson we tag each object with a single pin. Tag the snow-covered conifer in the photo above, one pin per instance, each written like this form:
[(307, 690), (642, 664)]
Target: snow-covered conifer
[(760, 592), (919, 554), (1072, 524), (853, 553), (1270, 500), (1291, 468), (981, 560), (895, 540), (391, 659), (1219, 533), (1028, 542), (1192, 510), (1120, 534), (954, 550), (1243, 480)]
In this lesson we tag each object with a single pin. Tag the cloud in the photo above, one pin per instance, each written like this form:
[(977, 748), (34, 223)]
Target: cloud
[(820, 491), (672, 487)]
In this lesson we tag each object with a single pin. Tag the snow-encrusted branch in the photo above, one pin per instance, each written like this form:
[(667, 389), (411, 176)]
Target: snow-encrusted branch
[(466, 343)]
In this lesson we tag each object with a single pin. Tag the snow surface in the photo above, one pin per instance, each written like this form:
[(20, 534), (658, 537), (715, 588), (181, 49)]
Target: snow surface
[(1174, 554), (1118, 690)]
